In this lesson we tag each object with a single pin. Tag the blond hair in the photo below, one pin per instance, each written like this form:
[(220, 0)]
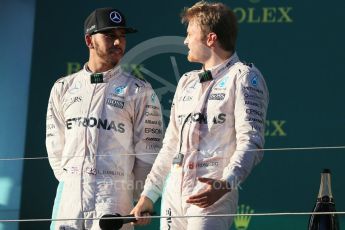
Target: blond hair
[(216, 18)]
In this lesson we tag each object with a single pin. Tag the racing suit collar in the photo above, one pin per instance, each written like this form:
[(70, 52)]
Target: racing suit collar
[(218, 69), (115, 71)]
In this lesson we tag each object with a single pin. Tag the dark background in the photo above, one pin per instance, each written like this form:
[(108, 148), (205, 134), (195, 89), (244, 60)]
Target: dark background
[(302, 60)]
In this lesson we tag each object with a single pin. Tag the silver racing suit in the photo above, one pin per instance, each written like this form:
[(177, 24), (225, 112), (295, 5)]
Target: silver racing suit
[(100, 139), (217, 126)]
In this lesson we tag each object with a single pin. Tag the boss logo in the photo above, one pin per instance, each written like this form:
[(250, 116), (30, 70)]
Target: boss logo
[(217, 96)]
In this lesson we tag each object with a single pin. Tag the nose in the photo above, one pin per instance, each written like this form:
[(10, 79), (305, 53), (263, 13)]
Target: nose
[(185, 42), (117, 41)]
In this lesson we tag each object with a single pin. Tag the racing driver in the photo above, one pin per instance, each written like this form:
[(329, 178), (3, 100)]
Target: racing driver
[(216, 128), (104, 128)]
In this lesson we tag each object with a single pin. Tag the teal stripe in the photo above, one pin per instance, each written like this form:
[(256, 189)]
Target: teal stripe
[(56, 204)]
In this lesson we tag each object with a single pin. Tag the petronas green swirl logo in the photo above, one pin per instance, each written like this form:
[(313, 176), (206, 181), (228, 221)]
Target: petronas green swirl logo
[(242, 221)]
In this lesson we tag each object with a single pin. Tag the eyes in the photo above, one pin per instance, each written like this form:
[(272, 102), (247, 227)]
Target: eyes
[(113, 36)]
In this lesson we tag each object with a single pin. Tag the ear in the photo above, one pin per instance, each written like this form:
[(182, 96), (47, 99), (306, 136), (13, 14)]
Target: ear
[(211, 39), (88, 41)]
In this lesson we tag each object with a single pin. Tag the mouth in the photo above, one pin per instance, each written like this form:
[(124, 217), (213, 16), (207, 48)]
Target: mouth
[(117, 51)]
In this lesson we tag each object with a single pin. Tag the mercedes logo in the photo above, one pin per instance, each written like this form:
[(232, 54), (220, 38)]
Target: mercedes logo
[(76, 87), (115, 17)]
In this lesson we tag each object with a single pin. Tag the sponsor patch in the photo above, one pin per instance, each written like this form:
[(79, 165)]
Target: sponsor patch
[(253, 104), (153, 130), (251, 96), (254, 120), (153, 122), (75, 87), (120, 90), (115, 103), (222, 84), (153, 98), (249, 88), (50, 126), (254, 112), (72, 100), (153, 113), (153, 139), (202, 164), (93, 122), (151, 107), (185, 98), (217, 96), (153, 147), (254, 80)]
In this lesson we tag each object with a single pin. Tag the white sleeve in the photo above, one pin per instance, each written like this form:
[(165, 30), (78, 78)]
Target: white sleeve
[(141, 169), (148, 134), (55, 130), (251, 101), (156, 179)]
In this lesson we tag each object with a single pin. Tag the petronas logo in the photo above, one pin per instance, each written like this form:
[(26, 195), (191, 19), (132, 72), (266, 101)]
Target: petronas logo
[(242, 222)]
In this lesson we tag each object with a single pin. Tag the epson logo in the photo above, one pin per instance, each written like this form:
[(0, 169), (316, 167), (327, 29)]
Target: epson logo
[(255, 112), (95, 122), (152, 130)]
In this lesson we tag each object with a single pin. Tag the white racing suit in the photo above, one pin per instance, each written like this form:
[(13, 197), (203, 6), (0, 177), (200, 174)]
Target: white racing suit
[(223, 128), (100, 139)]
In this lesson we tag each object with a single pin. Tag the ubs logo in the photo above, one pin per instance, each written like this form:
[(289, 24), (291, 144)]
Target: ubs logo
[(73, 100)]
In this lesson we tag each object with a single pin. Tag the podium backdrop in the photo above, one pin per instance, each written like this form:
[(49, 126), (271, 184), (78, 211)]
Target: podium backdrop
[(297, 45)]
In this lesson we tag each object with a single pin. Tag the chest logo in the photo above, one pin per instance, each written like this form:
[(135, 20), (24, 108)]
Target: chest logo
[(120, 90)]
